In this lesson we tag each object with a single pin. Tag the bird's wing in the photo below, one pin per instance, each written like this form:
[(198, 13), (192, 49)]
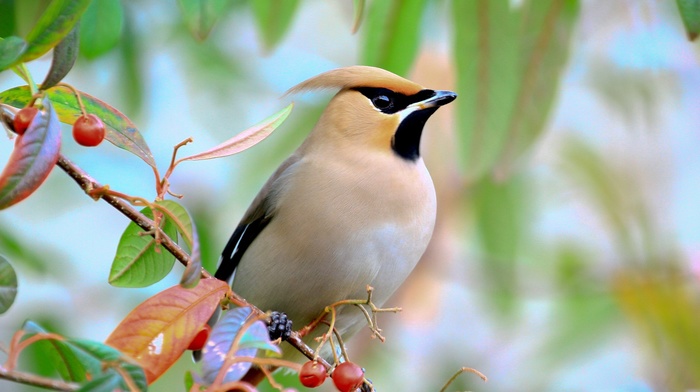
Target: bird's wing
[(259, 215)]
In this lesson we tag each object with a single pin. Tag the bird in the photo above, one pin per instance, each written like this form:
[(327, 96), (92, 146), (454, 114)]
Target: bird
[(353, 206)]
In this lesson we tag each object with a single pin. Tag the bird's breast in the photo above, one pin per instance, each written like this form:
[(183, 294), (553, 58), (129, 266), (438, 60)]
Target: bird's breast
[(338, 227)]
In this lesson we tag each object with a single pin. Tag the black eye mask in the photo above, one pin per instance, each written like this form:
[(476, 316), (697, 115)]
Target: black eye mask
[(390, 102)]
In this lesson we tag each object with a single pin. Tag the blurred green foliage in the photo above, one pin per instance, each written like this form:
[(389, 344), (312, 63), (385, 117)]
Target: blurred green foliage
[(101, 28), (509, 62)]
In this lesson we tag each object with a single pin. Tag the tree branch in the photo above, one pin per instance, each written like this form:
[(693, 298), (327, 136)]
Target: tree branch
[(87, 184), (30, 379)]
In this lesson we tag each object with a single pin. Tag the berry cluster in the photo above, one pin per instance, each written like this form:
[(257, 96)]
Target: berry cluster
[(347, 376), (280, 327)]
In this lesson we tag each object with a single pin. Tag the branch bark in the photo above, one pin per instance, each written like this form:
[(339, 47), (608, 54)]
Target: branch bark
[(30, 379)]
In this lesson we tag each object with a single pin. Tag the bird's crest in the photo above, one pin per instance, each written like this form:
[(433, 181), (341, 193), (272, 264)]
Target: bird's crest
[(357, 76)]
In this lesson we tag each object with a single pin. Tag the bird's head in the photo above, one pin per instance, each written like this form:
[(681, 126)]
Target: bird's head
[(375, 108)]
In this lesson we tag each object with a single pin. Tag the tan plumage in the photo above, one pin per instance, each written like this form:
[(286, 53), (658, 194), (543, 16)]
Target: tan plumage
[(353, 206)]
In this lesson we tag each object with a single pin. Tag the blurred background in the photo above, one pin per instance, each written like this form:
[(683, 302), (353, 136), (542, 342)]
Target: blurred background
[(566, 255)]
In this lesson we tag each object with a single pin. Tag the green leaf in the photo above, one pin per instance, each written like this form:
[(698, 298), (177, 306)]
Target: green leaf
[(486, 54), (690, 12), (273, 17), (24, 251), (201, 15), (8, 285), (55, 23), (64, 55), (130, 70), (245, 139), (189, 380), (97, 350), (7, 19), (545, 33), (108, 382), (11, 49), (80, 360), (509, 63), (180, 218), (101, 27), (184, 224), (392, 37), (112, 357), (33, 158), (72, 363), (500, 211), (613, 194), (120, 131), (579, 325), (138, 263)]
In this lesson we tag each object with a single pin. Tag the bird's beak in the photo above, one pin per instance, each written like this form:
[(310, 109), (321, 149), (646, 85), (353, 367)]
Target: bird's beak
[(441, 97)]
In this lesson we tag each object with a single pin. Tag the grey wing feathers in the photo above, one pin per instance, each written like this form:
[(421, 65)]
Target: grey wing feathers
[(259, 214)]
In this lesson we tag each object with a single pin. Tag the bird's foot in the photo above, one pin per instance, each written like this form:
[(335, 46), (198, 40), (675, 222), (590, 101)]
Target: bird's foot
[(279, 327)]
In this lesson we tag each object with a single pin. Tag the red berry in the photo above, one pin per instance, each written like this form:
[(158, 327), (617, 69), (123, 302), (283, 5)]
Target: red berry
[(347, 377), (23, 118), (200, 339), (312, 374), (88, 130)]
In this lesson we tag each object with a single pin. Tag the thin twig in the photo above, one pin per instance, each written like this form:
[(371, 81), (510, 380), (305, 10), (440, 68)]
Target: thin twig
[(341, 344), (460, 371)]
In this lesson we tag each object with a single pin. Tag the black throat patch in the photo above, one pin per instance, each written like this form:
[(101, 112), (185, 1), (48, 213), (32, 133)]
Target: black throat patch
[(406, 140)]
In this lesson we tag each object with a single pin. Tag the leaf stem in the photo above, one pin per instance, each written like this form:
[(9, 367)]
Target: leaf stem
[(24, 73)]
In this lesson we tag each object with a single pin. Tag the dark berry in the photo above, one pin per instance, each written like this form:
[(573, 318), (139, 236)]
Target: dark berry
[(312, 374), (88, 130), (23, 118), (280, 327)]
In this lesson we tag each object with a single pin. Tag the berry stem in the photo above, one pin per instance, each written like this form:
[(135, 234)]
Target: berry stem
[(77, 96), (371, 320), (460, 371)]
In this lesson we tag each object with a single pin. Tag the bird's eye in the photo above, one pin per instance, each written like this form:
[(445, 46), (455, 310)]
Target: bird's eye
[(382, 102)]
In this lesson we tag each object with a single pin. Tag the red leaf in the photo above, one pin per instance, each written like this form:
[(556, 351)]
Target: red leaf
[(158, 331), (245, 139), (35, 154)]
